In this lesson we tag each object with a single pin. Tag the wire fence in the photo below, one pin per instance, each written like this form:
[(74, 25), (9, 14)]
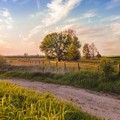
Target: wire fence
[(63, 65)]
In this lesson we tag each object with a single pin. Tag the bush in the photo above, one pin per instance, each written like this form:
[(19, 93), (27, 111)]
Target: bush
[(107, 68)]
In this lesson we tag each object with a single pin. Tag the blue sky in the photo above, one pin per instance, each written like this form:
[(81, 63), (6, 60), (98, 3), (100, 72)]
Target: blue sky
[(24, 23)]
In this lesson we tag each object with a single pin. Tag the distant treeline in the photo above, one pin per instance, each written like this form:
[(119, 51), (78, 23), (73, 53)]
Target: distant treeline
[(29, 56), (115, 57)]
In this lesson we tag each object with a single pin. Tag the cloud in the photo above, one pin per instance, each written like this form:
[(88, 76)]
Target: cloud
[(86, 16), (37, 15), (54, 13), (21, 1), (72, 20), (38, 4), (4, 12), (113, 18), (6, 19), (113, 3), (89, 14)]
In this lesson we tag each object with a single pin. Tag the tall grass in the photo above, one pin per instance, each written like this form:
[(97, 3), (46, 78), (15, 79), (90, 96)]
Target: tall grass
[(85, 79), (17, 103)]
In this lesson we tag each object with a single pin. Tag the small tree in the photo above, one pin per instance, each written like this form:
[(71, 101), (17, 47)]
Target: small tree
[(107, 68), (90, 51), (98, 55), (86, 51), (26, 54), (93, 50)]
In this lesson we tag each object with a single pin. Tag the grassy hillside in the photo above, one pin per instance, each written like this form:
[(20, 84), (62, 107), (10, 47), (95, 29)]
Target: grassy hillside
[(17, 103)]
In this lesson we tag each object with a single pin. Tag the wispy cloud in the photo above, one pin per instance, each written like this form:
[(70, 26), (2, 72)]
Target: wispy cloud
[(6, 19), (55, 13), (89, 14), (113, 18), (113, 3), (38, 4), (72, 20), (86, 16), (21, 1)]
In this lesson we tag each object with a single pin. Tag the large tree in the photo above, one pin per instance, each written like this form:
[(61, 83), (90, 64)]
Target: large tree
[(57, 45)]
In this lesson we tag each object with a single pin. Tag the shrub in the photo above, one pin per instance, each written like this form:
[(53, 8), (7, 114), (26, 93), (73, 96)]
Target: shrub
[(107, 68)]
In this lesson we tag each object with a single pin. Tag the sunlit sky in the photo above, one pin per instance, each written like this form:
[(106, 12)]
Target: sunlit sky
[(24, 23)]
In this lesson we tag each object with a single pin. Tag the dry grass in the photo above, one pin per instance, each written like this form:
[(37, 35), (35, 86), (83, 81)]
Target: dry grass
[(60, 65)]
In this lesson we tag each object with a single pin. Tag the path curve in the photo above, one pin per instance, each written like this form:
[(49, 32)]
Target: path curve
[(98, 104)]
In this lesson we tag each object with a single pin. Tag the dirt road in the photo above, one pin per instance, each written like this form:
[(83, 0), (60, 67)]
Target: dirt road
[(98, 104)]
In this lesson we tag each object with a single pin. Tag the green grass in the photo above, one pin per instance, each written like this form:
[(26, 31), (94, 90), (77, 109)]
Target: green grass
[(17, 103), (116, 59), (85, 79)]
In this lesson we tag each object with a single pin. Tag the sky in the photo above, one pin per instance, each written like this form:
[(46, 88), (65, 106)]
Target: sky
[(25, 23)]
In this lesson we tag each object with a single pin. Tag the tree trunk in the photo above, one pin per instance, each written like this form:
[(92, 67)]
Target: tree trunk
[(59, 59)]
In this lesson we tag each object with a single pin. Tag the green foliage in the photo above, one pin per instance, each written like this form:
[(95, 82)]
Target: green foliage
[(107, 68), (98, 55), (90, 51), (86, 51), (73, 54), (17, 103), (57, 45)]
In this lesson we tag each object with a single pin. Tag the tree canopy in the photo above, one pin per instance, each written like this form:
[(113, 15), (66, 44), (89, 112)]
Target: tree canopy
[(63, 45), (90, 51)]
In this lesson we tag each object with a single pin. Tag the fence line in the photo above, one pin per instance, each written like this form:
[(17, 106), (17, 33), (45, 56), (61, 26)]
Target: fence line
[(65, 65)]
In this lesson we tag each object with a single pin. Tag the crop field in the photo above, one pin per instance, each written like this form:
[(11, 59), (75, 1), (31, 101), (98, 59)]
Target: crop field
[(17, 103)]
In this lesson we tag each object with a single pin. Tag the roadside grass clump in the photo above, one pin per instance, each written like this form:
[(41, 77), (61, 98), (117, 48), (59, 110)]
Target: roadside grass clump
[(81, 79), (85, 79), (17, 103)]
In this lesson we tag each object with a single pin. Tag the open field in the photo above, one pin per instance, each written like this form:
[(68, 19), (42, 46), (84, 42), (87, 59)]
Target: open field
[(82, 65), (116, 59), (17, 103)]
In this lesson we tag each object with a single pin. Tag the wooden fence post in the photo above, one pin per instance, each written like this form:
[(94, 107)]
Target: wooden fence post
[(78, 66), (49, 62), (56, 64), (118, 69), (43, 61), (65, 67)]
